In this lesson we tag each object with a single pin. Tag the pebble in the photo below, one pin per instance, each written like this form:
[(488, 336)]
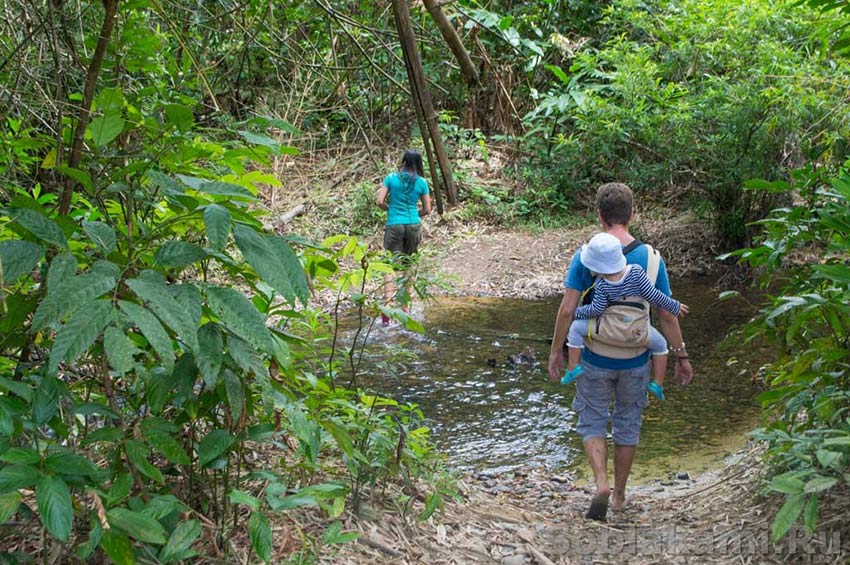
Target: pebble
[(514, 560)]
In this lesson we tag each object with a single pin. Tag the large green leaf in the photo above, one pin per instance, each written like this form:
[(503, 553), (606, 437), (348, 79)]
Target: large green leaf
[(178, 254), (168, 185), (54, 506), (274, 261), (182, 538), (152, 330), (40, 226), (787, 515), (119, 350), (245, 356), (70, 464), (46, 400), (179, 116), (213, 446), (137, 525), (102, 235), (9, 505), (80, 333), (137, 453), (62, 268), (22, 455), (240, 316), (159, 432), (117, 547), (234, 392), (260, 532), (70, 295), (217, 223), (17, 258), (104, 129), (190, 299), (210, 353), (219, 188), (165, 306), (13, 477)]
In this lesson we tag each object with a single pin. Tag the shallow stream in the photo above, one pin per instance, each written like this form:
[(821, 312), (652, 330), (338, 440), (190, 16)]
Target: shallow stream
[(479, 376)]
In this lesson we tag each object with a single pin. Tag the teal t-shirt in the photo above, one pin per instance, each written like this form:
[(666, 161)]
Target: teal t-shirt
[(405, 190)]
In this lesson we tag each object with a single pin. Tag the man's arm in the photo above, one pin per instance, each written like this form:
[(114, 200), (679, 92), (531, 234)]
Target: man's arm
[(671, 330), (562, 325), (381, 197)]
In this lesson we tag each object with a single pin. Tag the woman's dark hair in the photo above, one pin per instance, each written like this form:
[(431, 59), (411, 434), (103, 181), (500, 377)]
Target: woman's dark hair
[(412, 162)]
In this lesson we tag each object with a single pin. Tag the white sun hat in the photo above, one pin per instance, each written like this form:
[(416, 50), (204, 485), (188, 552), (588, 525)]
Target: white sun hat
[(603, 254)]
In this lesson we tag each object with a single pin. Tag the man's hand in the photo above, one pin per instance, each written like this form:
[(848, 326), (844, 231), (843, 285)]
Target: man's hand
[(684, 370), (556, 366)]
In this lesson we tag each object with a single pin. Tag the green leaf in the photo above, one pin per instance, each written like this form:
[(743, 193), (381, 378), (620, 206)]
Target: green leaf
[(120, 350), (165, 306), (333, 534), (152, 330), (62, 268), (266, 141), (92, 409), (40, 226), (190, 299), (54, 507), (117, 547), (235, 393), (274, 261), (810, 515), (21, 455), (239, 497), (14, 477), (102, 235), (240, 316), (18, 258), (169, 447), (137, 453), (217, 188), (80, 333), (787, 515), (70, 464), (819, 483), (245, 356), (787, 483), (829, 459), (162, 506), (217, 223), (210, 353), (558, 72), (180, 117), (274, 122), (104, 129), (178, 254), (837, 273), (46, 400), (260, 532), (120, 489), (182, 538), (166, 184), (109, 99), (69, 296), (137, 525), (432, 501), (9, 505), (108, 435), (213, 446), (82, 177)]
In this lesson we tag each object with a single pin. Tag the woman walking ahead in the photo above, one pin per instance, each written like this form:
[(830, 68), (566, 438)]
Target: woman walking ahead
[(406, 188)]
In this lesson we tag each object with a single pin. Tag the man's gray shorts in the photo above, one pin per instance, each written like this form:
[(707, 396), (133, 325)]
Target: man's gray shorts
[(592, 403)]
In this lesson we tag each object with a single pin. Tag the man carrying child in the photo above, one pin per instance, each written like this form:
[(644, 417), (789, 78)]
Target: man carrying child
[(622, 372)]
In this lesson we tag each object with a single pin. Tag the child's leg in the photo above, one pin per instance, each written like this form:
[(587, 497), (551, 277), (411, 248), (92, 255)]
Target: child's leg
[(658, 350), (575, 343)]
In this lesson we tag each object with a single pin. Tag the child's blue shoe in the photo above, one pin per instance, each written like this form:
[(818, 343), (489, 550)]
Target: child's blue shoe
[(656, 389), (570, 376)]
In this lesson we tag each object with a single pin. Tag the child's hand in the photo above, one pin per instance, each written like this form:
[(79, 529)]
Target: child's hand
[(683, 310)]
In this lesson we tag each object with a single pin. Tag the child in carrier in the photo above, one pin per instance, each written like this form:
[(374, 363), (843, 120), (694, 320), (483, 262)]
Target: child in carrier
[(616, 280)]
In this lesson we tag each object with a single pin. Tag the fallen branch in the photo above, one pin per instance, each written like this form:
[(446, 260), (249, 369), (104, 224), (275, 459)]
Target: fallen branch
[(289, 216), (379, 546)]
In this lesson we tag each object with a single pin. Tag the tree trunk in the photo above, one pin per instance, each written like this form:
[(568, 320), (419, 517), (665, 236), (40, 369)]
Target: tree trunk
[(420, 94), (110, 8), (467, 67)]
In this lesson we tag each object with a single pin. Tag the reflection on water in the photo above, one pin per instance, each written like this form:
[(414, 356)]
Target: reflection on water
[(480, 379)]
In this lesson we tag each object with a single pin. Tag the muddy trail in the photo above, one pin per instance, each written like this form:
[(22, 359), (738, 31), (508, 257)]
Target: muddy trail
[(528, 516)]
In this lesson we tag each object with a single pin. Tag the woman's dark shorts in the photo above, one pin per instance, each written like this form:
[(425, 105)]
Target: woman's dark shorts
[(402, 239)]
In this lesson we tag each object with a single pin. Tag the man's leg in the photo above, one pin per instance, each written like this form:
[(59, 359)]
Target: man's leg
[(592, 404), (629, 401), (596, 449), (624, 455)]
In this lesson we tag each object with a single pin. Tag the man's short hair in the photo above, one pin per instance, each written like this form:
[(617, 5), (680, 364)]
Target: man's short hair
[(614, 201)]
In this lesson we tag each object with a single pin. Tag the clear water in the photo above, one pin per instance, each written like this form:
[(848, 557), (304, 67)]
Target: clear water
[(489, 413)]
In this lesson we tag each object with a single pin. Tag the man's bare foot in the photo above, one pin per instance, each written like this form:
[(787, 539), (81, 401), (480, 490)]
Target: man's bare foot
[(618, 502), (598, 506)]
